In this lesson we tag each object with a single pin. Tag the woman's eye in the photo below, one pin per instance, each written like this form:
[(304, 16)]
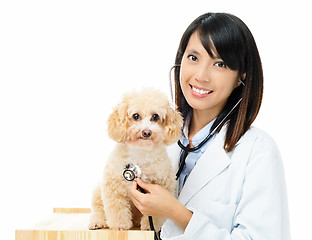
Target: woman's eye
[(220, 64), (155, 117), (136, 116), (192, 58)]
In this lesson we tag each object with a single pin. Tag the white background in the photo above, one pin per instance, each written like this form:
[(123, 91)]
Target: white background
[(64, 65)]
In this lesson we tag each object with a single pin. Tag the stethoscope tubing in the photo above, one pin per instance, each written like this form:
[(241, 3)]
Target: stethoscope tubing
[(187, 150), (198, 146)]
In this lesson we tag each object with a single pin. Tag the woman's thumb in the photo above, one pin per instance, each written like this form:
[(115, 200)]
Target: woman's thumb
[(144, 185)]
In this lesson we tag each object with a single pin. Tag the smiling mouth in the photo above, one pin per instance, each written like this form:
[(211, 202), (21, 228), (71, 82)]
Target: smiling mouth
[(200, 92)]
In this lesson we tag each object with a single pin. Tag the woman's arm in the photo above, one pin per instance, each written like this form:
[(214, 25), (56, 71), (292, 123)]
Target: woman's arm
[(157, 201), (261, 212)]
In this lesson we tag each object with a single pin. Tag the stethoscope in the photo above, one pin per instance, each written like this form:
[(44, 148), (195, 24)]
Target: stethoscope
[(132, 171), (186, 150)]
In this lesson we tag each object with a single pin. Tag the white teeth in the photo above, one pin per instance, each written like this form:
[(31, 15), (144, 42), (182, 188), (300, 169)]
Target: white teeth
[(200, 91)]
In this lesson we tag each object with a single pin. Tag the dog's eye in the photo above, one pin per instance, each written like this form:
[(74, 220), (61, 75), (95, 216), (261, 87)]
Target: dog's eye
[(155, 117), (136, 116)]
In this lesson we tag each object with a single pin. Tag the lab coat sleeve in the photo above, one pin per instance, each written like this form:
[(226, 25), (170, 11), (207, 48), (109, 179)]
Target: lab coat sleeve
[(262, 212)]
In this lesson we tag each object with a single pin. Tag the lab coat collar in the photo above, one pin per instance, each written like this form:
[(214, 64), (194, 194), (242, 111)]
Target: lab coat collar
[(213, 161)]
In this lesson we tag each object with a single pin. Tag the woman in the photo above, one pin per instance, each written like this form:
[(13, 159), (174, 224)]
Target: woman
[(233, 186)]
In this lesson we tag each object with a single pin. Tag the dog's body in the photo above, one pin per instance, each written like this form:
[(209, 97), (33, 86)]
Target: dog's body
[(143, 124)]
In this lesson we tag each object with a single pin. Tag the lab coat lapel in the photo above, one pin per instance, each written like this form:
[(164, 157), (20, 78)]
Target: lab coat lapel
[(213, 161)]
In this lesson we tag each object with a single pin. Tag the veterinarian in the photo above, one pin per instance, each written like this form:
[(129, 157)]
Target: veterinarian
[(232, 185)]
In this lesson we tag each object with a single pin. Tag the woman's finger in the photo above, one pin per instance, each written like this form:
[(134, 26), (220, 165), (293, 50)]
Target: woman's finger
[(147, 187), (136, 196)]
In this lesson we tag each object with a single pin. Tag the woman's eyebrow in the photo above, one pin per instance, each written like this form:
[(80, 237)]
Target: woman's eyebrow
[(192, 51), (214, 55)]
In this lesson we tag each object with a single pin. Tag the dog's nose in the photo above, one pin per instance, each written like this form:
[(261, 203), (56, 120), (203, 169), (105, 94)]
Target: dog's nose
[(146, 133)]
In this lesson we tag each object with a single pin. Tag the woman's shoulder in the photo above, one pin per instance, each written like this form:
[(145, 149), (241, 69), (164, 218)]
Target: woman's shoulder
[(258, 135), (251, 136), (259, 142)]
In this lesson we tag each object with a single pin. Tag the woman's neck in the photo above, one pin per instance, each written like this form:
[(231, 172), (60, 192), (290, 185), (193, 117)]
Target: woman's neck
[(199, 120)]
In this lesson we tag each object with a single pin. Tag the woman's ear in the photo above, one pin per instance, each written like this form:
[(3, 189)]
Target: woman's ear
[(241, 80), (173, 125), (118, 123), (243, 77)]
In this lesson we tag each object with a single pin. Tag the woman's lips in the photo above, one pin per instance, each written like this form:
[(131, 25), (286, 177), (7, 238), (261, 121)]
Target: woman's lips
[(200, 92)]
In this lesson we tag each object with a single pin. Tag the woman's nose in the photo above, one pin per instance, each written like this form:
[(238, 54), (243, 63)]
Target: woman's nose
[(203, 73)]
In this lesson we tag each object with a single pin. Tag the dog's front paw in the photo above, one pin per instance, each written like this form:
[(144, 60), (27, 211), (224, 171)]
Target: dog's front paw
[(121, 225), (97, 225), (97, 220)]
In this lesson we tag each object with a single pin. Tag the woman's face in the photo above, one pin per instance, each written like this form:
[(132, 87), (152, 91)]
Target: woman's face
[(206, 81)]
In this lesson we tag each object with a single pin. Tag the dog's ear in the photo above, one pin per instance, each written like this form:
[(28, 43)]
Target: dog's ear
[(118, 123), (173, 124)]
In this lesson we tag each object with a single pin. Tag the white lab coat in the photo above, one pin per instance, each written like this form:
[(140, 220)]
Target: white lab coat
[(237, 195)]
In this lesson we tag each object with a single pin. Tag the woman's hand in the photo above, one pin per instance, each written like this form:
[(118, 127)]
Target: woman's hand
[(157, 201)]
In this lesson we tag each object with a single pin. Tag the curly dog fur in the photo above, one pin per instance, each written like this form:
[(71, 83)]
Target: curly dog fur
[(143, 124)]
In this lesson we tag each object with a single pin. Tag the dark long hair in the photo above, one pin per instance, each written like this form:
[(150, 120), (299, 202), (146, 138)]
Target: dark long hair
[(234, 43)]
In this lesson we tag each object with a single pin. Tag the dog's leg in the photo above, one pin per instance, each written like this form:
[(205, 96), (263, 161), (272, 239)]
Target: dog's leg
[(136, 215), (97, 217), (168, 182), (157, 222), (145, 223), (117, 206)]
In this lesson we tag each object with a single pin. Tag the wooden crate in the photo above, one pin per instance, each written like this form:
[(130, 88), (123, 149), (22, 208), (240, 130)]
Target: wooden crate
[(72, 224)]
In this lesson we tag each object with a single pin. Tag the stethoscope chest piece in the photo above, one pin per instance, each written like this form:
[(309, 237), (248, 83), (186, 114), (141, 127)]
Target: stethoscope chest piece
[(131, 172)]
